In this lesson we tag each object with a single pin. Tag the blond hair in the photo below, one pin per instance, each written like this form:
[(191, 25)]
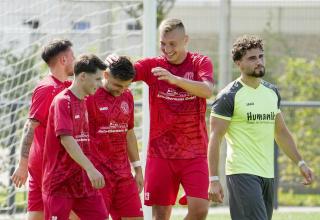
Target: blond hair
[(171, 24)]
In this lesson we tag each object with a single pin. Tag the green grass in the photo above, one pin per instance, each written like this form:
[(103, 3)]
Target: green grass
[(276, 216), (20, 199), (291, 199), (285, 198)]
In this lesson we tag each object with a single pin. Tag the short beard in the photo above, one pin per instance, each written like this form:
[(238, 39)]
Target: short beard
[(260, 74)]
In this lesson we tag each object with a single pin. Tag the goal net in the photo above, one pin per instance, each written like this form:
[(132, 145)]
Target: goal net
[(97, 26)]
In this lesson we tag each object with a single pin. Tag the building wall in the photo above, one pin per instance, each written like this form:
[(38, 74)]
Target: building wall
[(285, 25), (202, 17), (99, 27)]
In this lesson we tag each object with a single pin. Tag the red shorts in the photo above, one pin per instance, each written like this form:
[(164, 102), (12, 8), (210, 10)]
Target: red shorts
[(35, 202), (87, 208), (164, 176), (122, 197)]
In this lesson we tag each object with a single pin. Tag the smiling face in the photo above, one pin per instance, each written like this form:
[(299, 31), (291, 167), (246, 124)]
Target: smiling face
[(91, 82), (173, 45), (115, 86)]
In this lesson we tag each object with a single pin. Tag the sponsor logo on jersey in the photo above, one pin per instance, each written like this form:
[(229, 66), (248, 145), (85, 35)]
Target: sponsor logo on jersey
[(260, 117), (172, 94), (82, 137), (77, 116), (103, 108), (114, 127)]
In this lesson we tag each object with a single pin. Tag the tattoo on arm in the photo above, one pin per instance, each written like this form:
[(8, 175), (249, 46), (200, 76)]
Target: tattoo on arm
[(27, 138)]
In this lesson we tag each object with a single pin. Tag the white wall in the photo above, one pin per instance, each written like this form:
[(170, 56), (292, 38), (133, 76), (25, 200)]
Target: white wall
[(293, 17)]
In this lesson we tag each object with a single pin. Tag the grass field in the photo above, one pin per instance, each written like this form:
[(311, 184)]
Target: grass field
[(295, 214), (302, 211), (276, 216)]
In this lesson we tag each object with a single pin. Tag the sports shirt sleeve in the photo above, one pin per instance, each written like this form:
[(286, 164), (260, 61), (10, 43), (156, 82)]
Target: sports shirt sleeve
[(205, 69), (276, 91), (143, 70), (62, 117), (40, 103), (223, 106)]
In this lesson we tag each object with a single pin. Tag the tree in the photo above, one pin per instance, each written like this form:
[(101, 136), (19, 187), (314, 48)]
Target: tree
[(163, 8), (300, 82)]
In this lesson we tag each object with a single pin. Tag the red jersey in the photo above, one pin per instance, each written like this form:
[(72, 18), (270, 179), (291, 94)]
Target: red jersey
[(41, 100), (62, 176), (110, 119), (177, 118)]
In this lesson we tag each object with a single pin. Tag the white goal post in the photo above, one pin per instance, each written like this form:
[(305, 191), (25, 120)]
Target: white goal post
[(97, 26)]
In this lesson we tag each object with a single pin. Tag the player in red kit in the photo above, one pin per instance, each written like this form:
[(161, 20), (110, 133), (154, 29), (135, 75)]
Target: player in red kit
[(70, 179), (111, 119), (179, 83), (59, 57)]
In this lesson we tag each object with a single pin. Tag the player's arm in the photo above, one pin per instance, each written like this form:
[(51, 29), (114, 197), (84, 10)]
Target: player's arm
[(75, 152), (133, 155), (286, 142), (203, 89), (20, 175), (218, 128)]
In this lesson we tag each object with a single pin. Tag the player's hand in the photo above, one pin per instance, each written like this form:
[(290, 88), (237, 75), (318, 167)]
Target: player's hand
[(96, 178), (307, 174), (164, 74), (20, 175), (216, 192), (111, 59), (139, 178)]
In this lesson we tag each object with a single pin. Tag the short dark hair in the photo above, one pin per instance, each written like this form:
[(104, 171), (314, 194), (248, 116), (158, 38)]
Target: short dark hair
[(122, 69), (245, 43), (88, 63), (53, 48), (171, 24)]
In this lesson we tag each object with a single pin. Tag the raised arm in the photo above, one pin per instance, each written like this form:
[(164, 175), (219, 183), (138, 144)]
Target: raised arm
[(203, 89)]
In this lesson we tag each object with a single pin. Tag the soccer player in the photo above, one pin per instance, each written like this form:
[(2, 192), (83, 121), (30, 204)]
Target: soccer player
[(247, 112), (70, 179), (179, 82), (111, 119), (59, 57)]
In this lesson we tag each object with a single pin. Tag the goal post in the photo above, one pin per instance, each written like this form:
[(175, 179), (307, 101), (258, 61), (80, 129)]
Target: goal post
[(149, 38), (96, 26)]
